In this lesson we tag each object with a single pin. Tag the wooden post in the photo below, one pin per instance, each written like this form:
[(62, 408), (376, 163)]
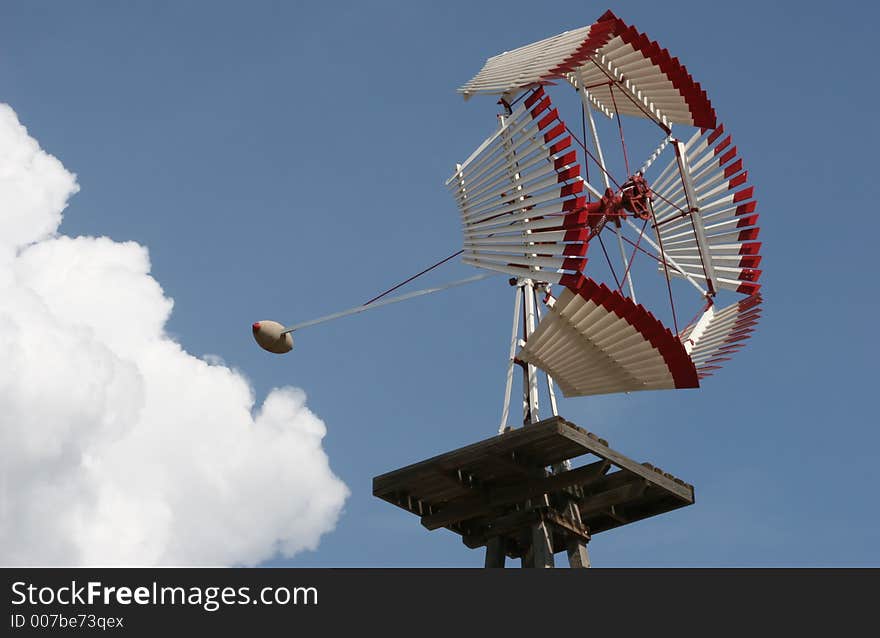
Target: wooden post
[(495, 552), (577, 553), (542, 552), (576, 547)]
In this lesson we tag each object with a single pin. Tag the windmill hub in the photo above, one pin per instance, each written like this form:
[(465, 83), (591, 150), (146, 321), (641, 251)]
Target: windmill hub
[(636, 196)]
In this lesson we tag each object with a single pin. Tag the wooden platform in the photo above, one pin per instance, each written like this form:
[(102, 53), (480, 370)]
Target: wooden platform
[(501, 485)]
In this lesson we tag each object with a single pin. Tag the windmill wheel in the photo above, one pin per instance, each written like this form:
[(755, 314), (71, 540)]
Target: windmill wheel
[(536, 196)]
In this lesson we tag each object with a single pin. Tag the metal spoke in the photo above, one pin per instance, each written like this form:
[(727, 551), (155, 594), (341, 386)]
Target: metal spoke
[(669, 260), (585, 104)]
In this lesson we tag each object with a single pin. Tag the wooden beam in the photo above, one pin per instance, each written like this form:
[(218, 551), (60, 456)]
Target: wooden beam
[(571, 431), (508, 495), (620, 478), (618, 513), (452, 479), (606, 500), (517, 463), (499, 445), (504, 525), (570, 527), (522, 522)]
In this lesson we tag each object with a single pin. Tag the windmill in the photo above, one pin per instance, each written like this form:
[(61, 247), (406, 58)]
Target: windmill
[(530, 210)]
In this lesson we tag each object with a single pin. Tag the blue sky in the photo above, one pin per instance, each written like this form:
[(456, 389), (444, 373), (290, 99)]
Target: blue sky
[(284, 161)]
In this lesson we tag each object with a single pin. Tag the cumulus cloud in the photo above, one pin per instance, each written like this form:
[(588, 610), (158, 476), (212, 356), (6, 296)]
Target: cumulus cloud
[(116, 445)]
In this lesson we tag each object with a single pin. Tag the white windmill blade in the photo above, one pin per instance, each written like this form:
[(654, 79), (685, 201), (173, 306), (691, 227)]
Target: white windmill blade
[(521, 197), (623, 70), (670, 172), (716, 241), (595, 340), (719, 334)]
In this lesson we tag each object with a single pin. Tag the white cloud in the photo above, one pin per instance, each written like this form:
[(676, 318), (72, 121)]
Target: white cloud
[(116, 445)]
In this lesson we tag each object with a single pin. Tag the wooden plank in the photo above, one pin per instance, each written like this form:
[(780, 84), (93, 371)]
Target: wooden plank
[(497, 446), (518, 465), (606, 500), (649, 505), (608, 482), (571, 431), (618, 513)]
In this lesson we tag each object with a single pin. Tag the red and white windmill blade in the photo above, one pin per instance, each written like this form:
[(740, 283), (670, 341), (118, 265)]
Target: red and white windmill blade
[(658, 86)]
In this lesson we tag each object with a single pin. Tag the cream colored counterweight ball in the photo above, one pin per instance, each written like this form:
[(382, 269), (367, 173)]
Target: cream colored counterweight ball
[(268, 334)]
